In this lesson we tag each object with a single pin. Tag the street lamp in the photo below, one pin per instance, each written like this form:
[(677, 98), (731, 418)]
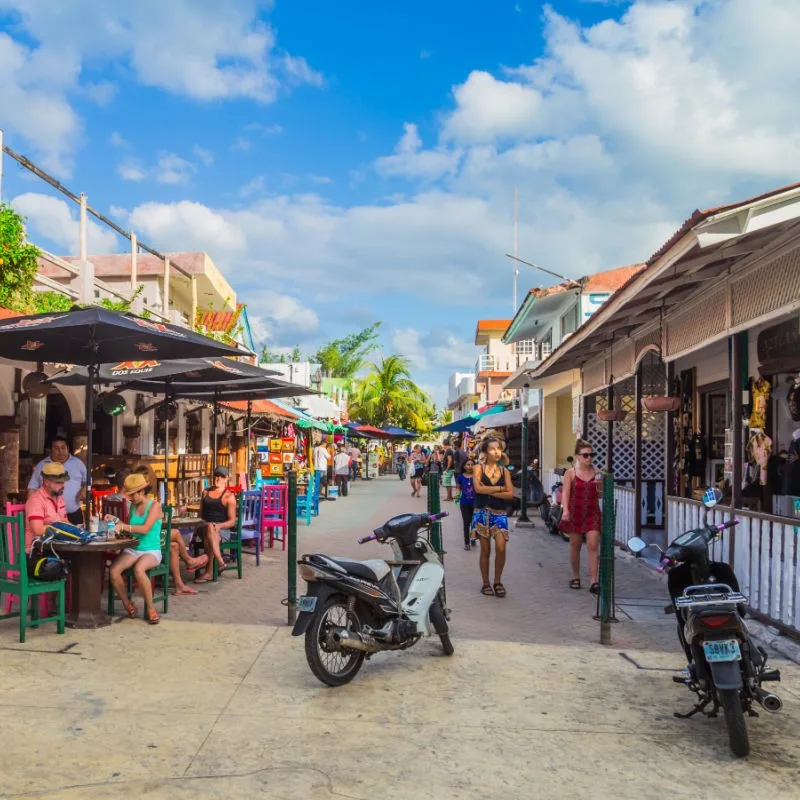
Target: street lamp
[(523, 511)]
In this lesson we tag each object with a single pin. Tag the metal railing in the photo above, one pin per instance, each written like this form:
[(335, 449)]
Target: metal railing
[(486, 363), (765, 557), (625, 504)]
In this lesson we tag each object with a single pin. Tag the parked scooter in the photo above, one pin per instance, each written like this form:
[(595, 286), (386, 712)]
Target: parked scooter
[(552, 509), (726, 667), (354, 609)]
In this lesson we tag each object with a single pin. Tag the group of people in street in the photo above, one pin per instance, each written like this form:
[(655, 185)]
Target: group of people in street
[(338, 464), (485, 492)]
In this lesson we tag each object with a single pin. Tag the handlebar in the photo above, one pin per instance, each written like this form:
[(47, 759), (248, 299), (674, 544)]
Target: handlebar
[(427, 519), (723, 526)]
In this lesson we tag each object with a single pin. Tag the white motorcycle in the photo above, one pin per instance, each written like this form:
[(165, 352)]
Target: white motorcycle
[(355, 609)]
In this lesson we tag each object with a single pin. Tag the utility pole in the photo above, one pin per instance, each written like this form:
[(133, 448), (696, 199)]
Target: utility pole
[(523, 510)]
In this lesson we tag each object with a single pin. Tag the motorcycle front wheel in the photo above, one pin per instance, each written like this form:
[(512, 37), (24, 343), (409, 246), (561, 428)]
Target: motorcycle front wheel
[(333, 665), (439, 622), (735, 721)]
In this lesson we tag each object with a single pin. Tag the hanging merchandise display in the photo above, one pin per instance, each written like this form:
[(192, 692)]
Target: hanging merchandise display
[(759, 450), (793, 399), (760, 391)]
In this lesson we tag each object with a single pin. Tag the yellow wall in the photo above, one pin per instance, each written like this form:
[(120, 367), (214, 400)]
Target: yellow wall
[(565, 437)]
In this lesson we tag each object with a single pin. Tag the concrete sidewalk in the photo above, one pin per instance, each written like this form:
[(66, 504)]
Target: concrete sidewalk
[(217, 701)]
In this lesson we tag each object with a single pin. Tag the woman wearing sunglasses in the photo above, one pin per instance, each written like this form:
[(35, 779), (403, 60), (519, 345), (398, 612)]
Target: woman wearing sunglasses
[(581, 515)]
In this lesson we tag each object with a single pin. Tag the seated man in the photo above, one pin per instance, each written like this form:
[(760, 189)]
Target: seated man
[(46, 504), (218, 510)]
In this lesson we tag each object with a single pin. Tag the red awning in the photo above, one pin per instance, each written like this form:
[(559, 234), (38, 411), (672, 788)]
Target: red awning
[(376, 432), (261, 407)]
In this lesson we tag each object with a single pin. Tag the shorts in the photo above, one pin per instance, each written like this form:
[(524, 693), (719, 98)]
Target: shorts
[(487, 523), (448, 478), (139, 553)]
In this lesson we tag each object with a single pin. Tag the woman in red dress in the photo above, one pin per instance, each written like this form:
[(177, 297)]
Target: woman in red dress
[(581, 515)]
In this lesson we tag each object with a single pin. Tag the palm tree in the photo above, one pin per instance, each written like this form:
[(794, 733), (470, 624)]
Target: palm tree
[(386, 395)]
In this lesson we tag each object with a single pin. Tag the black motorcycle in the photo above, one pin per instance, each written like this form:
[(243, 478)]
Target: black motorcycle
[(726, 667), (354, 609), (551, 508)]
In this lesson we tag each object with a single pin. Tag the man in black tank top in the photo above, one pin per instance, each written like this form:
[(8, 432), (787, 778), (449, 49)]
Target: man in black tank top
[(218, 509)]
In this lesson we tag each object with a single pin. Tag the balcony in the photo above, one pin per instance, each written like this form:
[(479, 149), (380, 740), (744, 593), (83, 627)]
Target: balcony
[(486, 363)]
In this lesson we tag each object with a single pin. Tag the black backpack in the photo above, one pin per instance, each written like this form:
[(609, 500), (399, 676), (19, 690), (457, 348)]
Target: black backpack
[(44, 564)]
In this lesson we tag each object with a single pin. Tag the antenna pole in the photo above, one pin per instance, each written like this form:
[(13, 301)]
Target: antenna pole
[(516, 247)]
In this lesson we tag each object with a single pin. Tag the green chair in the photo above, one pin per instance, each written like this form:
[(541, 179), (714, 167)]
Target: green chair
[(160, 571), (14, 578)]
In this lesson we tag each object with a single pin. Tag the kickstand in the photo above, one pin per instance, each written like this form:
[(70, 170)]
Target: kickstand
[(698, 708)]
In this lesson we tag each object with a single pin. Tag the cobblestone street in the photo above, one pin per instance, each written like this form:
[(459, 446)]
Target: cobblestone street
[(217, 701)]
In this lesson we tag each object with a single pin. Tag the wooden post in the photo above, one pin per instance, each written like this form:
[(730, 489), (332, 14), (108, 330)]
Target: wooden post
[(738, 345), (166, 289)]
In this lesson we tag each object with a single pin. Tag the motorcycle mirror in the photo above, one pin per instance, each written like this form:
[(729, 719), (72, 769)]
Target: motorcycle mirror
[(711, 497), (637, 545)]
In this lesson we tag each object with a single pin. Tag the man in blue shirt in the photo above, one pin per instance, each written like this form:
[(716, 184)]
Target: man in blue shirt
[(75, 487)]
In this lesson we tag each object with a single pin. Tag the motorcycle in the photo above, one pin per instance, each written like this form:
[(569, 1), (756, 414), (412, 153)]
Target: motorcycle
[(552, 509), (354, 609), (726, 667)]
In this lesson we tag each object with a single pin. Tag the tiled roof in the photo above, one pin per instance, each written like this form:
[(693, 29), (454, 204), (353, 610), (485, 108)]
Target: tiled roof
[(219, 321), (7, 313), (608, 281)]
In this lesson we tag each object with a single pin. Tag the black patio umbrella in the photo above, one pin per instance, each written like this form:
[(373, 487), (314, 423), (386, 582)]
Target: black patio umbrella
[(93, 336)]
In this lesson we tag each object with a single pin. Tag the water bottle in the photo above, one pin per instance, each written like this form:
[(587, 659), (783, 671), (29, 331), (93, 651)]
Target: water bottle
[(111, 525)]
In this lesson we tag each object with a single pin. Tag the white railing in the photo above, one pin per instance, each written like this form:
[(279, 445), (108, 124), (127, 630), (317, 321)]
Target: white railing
[(625, 522), (765, 556), (485, 363), (549, 477)]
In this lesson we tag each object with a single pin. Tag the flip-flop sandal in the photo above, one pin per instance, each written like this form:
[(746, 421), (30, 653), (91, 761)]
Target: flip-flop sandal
[(499, 590), (203, 580), (575, 583), (130, 610), (152, 617), (595, 588), (487, 590)]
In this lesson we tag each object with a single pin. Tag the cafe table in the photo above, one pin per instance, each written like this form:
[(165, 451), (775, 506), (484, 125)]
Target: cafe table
[(86, 571)]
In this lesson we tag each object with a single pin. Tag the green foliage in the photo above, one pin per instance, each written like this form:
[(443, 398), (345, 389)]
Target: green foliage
[(48, 302), (122, 305), (343, 358), (268, 357), (388, 396), (18, 261)]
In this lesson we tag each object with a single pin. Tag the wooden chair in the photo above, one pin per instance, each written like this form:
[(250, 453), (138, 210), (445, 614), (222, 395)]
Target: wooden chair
[(97, 498), (274, 512), (160, 571), (13, 562), (118, 509), (248, 505), (308, 503), (191, 469)]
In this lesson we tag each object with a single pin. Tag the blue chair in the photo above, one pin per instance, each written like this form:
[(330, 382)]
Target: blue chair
[(308, 503), (249, 526)]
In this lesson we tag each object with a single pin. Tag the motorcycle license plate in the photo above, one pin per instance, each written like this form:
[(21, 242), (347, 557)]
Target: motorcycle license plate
[(723, 650), (306, 603)]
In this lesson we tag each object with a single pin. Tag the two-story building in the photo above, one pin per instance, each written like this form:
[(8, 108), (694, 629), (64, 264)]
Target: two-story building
[(462, 398), (546, 319)]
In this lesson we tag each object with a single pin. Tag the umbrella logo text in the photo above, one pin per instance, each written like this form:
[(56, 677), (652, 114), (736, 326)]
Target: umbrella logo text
[(157, 327), (134, 367), (30, 323), (32, 345)]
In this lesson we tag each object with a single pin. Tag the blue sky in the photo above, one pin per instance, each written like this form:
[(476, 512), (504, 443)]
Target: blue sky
[(350, 162)]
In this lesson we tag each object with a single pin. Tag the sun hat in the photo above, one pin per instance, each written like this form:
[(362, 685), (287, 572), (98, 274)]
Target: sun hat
[(134, 483), (54, 471)]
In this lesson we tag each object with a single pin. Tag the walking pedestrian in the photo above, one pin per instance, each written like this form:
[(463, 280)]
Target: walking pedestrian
[(493, 491), (321, 460), (341, 466), (417, 470), (449, 473), (582, 517), (436, 463), (466, 501)]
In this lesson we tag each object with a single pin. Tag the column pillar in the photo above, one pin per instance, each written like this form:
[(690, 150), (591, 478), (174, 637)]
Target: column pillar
[(637, 484), (9, 458)]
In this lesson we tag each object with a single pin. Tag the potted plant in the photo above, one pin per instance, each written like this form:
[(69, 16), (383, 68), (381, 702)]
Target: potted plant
[(657, 402)]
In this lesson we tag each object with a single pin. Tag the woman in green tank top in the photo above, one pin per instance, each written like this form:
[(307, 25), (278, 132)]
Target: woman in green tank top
[(145, 525)]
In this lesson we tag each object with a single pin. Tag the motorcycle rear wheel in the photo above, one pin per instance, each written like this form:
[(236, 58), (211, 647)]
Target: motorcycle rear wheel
[(334, 667), (439, 622), (735, 721)]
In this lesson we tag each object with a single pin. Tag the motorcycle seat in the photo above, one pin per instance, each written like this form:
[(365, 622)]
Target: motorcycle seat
[(371, 570)]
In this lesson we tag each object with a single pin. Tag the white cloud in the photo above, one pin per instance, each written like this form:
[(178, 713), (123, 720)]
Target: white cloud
[(434, 349), (131, 169), (411, 161), (241, 145), (264, 129), (280, 318), (200, 49), (172, 170), (118, 140), (254, 186), (49, 218), (204, 155)]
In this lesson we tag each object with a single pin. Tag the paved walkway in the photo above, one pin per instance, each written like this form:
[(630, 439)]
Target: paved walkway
[(218, 701)]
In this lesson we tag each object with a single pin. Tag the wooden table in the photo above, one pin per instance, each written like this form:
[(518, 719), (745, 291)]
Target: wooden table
[(86, 569), (187, 522)]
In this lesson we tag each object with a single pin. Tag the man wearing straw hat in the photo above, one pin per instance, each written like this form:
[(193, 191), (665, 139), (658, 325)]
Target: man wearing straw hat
[(46, 504)]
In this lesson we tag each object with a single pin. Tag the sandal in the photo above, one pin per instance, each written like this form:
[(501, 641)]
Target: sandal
[(575, 583), (467, 547), (595, 588), (487, 590), (130, 610), (152, 617), (499, 590)]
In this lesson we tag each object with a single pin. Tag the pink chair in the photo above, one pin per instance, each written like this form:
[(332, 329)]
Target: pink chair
[(12, 509), (274, 512)]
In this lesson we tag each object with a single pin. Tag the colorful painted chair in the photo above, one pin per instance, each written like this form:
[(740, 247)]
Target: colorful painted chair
[(274, 513), (14, 580)]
